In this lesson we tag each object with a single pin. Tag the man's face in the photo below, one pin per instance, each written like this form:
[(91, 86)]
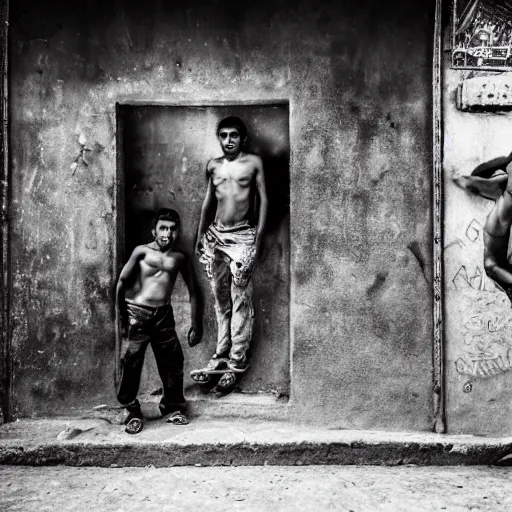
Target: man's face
[(230, 140), (165, 233)]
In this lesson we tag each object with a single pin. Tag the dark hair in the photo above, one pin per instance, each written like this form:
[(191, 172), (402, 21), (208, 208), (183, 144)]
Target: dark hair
[(166, 214), (233, 121)]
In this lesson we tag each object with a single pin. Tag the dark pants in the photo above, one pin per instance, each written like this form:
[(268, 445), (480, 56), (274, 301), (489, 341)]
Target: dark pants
[(156, 326)]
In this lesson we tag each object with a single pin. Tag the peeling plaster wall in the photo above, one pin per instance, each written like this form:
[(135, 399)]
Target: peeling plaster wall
[(478, 314), (358, 78)]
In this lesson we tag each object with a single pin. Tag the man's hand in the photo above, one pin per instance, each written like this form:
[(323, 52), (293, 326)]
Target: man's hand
[(195, 335)]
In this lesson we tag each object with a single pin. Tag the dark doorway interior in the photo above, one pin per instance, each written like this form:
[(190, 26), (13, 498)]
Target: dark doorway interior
[(164, 154)]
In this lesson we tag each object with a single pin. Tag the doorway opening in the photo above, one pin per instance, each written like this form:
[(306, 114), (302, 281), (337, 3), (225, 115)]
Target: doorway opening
[(162, 156)]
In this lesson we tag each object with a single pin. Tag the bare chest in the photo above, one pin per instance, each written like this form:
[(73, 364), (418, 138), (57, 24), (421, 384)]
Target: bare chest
[(234, 173), (156, 264)]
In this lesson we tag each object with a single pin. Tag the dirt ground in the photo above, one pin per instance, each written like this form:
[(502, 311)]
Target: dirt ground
[(267, 488)]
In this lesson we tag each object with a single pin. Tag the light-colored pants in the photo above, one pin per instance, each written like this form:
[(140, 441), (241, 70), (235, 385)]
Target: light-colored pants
[(228, 255)]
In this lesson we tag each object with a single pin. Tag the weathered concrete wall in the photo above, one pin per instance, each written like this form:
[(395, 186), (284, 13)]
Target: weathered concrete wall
[(478, 314), (357, 75)]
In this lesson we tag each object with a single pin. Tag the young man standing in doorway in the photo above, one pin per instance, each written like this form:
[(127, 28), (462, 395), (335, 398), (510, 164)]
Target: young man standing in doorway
[(228, 247), (143, 307)]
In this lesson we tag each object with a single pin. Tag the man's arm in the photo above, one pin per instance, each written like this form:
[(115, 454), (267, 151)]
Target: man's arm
[(262, 193), (125, 275), (196, 329), (486, 169), (207, 202)]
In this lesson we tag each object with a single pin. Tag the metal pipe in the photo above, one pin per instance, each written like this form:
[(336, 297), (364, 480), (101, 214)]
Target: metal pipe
[(438, 349)]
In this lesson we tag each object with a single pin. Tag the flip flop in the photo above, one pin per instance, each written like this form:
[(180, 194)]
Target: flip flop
[(177, 418), (217, 363), (134, 426), (202, 378), (237, 367), (227, 381)]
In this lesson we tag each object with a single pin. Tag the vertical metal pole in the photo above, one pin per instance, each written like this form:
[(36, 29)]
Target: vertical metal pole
[(119, 226), (5, 338), (438, 356)]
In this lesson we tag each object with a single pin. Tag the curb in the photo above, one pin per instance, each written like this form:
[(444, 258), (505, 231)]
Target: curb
[(169, 454), (102, 442)]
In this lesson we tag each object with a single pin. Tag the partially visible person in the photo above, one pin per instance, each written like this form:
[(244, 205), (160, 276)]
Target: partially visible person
[(493, 180)]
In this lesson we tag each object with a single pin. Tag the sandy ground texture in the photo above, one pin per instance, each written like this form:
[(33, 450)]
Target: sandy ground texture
[(311, 488)]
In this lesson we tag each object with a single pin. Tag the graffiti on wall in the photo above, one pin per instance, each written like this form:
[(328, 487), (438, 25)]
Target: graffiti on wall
[(482, 34), (487, 339), (487, 315)]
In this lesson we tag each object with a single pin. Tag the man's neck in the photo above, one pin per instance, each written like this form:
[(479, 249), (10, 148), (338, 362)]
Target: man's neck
[(231, 158), (153, 245)]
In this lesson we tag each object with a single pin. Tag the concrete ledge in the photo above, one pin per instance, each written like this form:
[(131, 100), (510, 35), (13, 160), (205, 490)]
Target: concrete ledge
[(237, 443)]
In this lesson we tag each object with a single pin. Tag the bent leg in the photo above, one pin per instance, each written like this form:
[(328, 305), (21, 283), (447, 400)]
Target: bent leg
[(500, 275), (497, 273)]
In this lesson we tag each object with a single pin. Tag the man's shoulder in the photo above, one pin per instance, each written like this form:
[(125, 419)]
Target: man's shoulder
[(140, 249), (178, 256), (252, 156), (214, 162), (253, 159)]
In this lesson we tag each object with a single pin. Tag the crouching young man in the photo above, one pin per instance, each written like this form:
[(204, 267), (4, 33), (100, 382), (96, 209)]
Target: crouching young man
[(143, 308)]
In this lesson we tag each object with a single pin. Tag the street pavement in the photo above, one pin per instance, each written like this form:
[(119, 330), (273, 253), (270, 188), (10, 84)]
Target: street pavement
[(263, 488)]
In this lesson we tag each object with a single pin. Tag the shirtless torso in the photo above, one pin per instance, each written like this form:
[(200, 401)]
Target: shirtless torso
[(156, 275), (149, 276), (498, 223), (231, 180)]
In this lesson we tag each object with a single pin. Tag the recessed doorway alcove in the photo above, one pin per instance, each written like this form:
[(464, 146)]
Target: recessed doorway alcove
[(162, 156)]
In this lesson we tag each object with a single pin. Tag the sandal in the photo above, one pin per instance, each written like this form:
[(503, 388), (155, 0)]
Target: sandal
[(177, 418), (217, 363), (202, 378), (236, 366), (134, 426), (227, 381)]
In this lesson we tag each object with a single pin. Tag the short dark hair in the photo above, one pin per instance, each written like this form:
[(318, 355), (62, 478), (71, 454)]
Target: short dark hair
[(233, 121), (166, 214)]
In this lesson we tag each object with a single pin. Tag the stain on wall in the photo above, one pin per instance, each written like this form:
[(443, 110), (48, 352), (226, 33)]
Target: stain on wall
[(357, 75)]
